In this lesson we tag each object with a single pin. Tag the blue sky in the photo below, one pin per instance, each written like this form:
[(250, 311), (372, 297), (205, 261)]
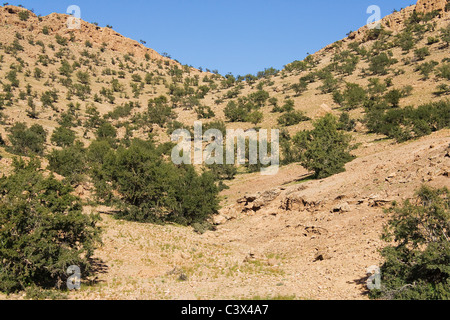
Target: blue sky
[(237, 36)]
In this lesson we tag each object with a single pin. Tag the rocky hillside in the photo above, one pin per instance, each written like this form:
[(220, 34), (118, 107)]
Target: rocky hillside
[(285, 236)]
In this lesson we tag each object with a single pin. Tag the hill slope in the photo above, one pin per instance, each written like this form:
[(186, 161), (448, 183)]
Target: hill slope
[(277, 236)]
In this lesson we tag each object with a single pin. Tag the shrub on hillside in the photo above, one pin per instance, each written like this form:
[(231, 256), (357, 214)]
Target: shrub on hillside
[(63, 137), (27, 141), (70, 162), (407, 123), (159, 112), (292, 118), (379, 64), (417, 261), (43, 230), (352, 97), (152, 189), (324, 150)]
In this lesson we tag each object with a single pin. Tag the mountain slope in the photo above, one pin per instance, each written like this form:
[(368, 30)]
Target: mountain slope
[(277, 236)]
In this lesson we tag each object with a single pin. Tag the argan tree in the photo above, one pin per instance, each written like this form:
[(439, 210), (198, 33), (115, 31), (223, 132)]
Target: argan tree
[(43, 230), (324, 150)]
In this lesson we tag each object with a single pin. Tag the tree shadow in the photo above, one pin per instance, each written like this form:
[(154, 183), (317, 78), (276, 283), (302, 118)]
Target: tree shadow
[(362, 285), (98, 267), (304, 178)]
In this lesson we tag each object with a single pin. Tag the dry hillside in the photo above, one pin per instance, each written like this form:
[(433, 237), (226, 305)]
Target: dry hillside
[(283, 236)]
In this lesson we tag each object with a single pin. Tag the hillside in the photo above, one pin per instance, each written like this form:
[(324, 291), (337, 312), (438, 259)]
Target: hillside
[(288, 235)]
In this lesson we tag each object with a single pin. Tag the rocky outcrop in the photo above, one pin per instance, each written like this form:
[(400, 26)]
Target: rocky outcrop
[(426, 6)]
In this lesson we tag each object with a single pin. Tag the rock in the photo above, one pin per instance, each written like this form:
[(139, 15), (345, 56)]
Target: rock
[(296, 202), (184, 256), (219, 220), (322, 255), (342, 207), (183, 277), (426, 6), (378, 201)]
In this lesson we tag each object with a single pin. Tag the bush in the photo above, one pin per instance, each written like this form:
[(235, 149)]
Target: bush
[(422, 53), (444, 71), (63, 137), (426, 68), (27, 141), (353, 96), (445, 34), (237, 112), (159, 111), (379, 64), (155, 190), (69, 162), (299, 87), (204, 112), (24, 15), (61, 40), (292, 118), (407, 123), (417, 264), (324, 150), (43, 230), (346, 123), (107, 132)]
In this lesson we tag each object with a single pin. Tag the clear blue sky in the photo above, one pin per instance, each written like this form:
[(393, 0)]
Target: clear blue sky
[(237, 36)]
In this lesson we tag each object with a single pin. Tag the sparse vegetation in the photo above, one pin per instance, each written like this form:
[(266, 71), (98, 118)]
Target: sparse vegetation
[(418, 257)]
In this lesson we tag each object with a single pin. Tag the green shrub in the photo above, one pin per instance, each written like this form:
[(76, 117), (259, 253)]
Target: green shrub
[(63, 137), (407, 123), (24, 15), (69, 162), (237, 111), (445, 35), (292, 118), (422, 53), (425, 69), (44, 230), (345, 122), (61, 40), (393, 97), (27, 141), (379, 64), (204, 112), (444, 71), (329, 83), (155, 190), (107, 132), (288, 106), (300, 87), (417, 263), (159, 111), (406, 41), (353, 96), (324, 150)]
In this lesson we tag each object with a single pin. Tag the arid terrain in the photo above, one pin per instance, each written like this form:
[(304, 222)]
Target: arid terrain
[(278, 237)]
